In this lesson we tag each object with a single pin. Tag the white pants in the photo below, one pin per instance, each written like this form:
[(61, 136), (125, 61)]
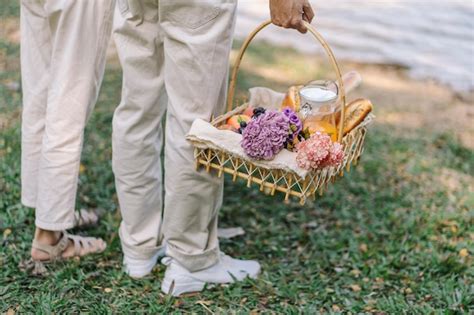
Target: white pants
[(63, 45), (174, 55)]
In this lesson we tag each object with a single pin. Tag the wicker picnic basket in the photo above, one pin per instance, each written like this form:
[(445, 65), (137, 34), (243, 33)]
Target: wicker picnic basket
[(284, 181)]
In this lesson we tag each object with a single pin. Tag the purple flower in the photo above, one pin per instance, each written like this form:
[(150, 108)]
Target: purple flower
[(296, 125), (265, 136)]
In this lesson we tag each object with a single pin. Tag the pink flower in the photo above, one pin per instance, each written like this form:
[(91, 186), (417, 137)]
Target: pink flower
[(319, 152)]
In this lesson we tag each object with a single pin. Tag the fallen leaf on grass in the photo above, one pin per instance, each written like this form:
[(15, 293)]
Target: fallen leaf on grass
[(463, 253), (229, 233), (82, 168), (368, 308), (355, 272), (309, 225), (108, 290), (371, 302), (448, 223), (336, 308), (355, 287), (363, 248), (10, 311), (35, 268), (205, 304), (6, 233)]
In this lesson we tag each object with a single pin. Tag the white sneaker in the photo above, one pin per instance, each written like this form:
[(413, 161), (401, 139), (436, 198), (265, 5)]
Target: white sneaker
[(139, 268), (179, 280)]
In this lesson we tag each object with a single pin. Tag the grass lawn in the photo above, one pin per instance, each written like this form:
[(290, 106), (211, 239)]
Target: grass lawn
[(394, 236)]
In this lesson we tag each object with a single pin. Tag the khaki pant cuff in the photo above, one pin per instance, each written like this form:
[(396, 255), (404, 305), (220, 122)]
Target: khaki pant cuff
[(28, 203), (140, 252), (54, 226), (194, 263)]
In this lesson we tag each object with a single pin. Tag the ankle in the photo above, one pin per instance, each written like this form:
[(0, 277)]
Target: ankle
[(47, 237)]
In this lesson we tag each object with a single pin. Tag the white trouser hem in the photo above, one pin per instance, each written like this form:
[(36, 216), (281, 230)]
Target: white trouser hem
[(54, 226), (28, 203), (140, 252), (197, 262)]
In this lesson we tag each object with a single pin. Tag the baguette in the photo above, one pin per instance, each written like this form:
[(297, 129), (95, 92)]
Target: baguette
[(355, 113)]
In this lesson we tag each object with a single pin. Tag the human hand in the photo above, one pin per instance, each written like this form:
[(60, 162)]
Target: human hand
[(291, 13)]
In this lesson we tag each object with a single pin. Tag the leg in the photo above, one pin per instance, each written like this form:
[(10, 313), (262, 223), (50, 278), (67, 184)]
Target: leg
[(36, 50), (198, 37), (137, 134), (35, 63), (70, 37), (80, 31)]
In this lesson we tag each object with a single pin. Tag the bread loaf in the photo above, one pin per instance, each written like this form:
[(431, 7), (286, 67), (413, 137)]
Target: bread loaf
[(355, 113), (292, 98)]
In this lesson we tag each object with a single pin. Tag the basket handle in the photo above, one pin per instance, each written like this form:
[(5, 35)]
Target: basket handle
[(320, 39)]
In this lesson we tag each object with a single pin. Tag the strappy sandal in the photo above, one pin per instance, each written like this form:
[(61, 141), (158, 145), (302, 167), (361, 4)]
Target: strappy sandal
[(85, 217), (82, 246)]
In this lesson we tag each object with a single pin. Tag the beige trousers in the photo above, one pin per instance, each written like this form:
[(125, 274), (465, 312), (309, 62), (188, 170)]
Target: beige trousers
[(63, 45), (174, 55)]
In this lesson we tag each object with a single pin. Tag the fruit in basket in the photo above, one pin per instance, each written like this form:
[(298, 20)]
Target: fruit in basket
[(258, 111), (243, 124), (292, 98), (235, 120), (248, 111), (355, 113), (310, 127), (227, 127)]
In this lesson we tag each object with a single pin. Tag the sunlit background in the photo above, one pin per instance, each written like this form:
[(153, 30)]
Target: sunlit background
[(434, 39)]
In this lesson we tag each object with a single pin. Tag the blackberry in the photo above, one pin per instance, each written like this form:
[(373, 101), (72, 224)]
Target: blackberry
[(258, 111)]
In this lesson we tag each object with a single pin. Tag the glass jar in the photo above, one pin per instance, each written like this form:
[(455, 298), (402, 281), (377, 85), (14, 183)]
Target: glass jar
[(319, 107)]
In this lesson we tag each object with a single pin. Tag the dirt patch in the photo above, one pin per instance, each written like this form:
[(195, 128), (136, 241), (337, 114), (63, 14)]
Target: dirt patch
[(10, 30)]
